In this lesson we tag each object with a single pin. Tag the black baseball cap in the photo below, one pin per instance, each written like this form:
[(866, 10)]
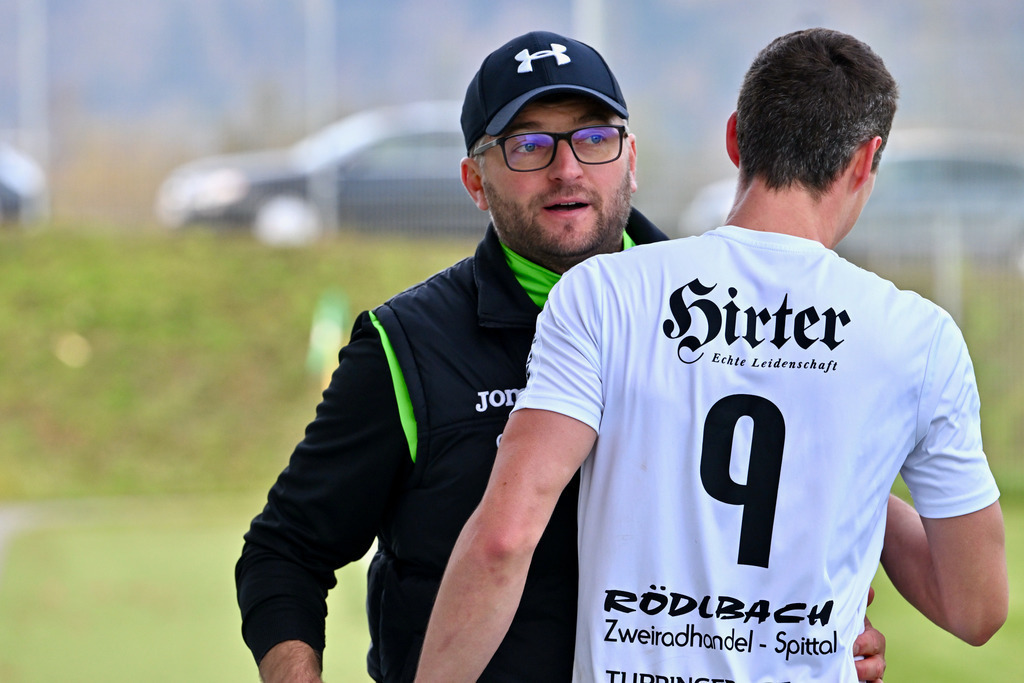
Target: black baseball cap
[(530, 66)]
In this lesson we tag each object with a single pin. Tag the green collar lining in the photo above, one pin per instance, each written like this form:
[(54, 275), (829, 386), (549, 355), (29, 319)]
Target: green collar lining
[(538, 280)]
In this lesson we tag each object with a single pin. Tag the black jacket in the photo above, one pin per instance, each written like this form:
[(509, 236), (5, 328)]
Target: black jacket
[(461, 339)]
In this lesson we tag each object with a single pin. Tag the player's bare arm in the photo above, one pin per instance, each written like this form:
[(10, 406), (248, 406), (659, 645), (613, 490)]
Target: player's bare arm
[(539, 453), (952, 570)]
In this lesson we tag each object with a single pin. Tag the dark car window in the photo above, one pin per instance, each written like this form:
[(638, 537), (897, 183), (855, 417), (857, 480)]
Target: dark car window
[(409, 183), (427, 155)]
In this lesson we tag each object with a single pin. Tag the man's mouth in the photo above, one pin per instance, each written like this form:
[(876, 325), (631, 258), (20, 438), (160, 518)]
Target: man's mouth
[(566, 206)]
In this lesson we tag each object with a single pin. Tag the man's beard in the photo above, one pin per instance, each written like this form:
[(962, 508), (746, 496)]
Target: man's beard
[(526, 237)]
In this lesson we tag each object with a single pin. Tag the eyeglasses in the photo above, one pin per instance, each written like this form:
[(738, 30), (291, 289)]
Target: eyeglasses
[(534, 151)]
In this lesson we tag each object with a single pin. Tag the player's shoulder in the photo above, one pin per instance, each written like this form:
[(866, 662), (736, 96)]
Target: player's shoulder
[(871, 285), (898, 313)]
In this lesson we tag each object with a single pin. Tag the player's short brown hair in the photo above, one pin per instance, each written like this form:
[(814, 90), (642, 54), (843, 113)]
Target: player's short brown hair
[(808, 101)]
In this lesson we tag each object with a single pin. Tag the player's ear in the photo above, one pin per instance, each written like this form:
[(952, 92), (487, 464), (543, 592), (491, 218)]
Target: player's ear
[(862, 164), (472, 180), (731, 146)]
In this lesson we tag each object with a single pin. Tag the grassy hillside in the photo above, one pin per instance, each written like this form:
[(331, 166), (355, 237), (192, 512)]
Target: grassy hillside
[(153, 363)]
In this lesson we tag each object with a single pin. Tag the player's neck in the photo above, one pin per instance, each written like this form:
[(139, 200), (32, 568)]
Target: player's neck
[(790, 211)]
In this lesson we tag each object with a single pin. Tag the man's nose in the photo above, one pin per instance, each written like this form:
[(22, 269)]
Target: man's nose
[(565, 164)]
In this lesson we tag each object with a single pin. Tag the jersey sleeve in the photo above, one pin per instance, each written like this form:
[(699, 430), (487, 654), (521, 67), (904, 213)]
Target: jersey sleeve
[(326, 506), (947, 472), (564, 369)]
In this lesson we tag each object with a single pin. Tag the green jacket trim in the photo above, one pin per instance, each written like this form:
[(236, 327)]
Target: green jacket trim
[(405, 411)]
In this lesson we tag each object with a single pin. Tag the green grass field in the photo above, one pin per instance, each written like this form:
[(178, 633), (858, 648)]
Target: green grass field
[(141, 589), (153, 386)]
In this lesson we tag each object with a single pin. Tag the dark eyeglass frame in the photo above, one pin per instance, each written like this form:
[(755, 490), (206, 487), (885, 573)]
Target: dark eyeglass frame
[(567, 136)]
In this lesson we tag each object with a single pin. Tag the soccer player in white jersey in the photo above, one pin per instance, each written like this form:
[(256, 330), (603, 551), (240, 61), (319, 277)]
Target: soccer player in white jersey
[(741, 403)]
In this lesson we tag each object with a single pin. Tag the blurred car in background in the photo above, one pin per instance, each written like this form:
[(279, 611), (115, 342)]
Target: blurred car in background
[(393, 169), (937, 192), (22, 187)]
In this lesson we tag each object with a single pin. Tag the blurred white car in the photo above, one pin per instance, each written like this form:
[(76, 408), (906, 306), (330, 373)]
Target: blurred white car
[(22, 187), (708, 208), (936, 190), (388, 169)]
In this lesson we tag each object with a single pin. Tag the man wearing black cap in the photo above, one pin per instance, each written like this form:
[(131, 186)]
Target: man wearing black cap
[(404, 439)]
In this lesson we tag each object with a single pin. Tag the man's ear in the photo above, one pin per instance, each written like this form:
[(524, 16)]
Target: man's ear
[(631, 147), (731, 146), (863, 162), (472, 180)]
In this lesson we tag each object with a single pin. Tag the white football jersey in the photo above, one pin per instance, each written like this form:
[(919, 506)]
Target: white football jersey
[(755, 396)]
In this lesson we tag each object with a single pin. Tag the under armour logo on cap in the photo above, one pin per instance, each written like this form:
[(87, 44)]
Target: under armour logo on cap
[(526, 58)]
